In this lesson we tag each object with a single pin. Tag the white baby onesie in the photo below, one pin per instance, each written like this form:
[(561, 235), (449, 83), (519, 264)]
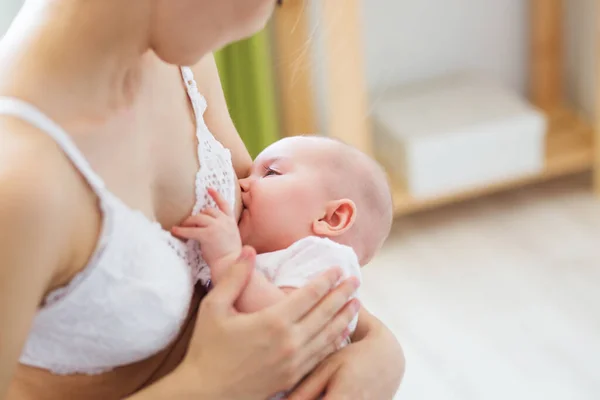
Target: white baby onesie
[(306, 259)]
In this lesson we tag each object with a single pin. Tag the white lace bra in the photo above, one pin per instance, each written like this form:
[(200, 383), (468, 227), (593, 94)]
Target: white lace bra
[(131, 300)]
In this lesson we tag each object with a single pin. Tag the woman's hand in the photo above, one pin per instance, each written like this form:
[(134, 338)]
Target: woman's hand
[(253, 356), (370, 368)]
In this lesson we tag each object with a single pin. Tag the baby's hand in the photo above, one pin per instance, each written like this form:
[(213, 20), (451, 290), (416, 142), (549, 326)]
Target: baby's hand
[(215, 229)]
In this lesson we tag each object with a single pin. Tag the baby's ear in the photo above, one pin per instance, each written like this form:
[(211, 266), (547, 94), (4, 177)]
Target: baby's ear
[(339, 217)]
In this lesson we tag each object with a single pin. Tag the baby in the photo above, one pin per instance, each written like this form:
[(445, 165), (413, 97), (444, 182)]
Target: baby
[(310, 203)]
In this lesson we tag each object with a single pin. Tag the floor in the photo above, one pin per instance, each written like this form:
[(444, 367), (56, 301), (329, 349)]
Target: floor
[(497, 298)]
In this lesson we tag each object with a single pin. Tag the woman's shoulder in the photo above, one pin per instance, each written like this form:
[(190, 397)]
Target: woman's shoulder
[(37, 181), (30, 165)]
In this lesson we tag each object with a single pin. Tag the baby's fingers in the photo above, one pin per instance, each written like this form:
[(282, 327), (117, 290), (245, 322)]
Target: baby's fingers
[(194, 233), (211, 212), (201, 220), (219, 201)]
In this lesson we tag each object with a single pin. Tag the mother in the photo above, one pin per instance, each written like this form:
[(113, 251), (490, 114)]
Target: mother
[(94, 297)]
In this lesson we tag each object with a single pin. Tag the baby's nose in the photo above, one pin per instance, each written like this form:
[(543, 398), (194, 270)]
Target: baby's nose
[(245, 184)]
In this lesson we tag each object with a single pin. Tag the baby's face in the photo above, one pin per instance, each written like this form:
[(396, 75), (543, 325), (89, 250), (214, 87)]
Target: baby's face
[(282, 196)]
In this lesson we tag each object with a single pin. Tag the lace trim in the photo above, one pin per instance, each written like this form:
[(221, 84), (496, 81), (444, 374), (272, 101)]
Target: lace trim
[(215, 171), (61, 370), (109, 205)]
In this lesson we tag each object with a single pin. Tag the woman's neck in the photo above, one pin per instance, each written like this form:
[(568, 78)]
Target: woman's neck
[(80, 61)]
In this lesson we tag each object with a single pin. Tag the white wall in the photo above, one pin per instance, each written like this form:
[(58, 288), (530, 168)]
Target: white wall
[(416, 39), (409, 40), (8, 9), (406, 40)]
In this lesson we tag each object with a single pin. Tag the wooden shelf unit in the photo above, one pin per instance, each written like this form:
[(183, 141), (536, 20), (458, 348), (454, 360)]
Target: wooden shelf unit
[(571, 140), (569, 150)]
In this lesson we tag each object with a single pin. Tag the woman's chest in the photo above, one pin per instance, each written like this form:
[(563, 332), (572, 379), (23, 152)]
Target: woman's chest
[(153, 150)]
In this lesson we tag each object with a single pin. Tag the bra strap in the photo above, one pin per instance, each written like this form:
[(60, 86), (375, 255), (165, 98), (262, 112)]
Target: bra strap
[(198, 101), (20, 109)]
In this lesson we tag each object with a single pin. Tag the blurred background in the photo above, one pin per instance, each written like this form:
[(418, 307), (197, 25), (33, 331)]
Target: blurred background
[(484, 113)]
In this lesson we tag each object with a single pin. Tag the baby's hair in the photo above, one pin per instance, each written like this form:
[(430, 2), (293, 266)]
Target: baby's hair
[(355, 175)]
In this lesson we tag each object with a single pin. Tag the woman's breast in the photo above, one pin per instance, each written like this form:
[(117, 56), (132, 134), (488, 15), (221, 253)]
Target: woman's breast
[(36, 384), (238, 206)]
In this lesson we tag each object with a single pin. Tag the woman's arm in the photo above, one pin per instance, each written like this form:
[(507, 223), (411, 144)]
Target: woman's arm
[(217, 116), (253, 356), (34, 244), (372, 367)]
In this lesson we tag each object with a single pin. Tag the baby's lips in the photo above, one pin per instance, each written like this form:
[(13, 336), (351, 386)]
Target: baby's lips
[(245, 199)]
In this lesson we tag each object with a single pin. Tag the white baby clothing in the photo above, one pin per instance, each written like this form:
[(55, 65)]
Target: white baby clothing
[(303, 261), (306, 259)]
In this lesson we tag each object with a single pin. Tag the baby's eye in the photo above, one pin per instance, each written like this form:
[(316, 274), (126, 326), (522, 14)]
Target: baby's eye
[(270, 171)]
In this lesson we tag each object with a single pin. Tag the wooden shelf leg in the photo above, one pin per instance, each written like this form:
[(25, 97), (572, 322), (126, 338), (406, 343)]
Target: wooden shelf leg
[(293, 65), (596, 163), (546, 70), (347, 103)]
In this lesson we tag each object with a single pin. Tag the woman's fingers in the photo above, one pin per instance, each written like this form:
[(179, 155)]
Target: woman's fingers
[(319, 368), (298, 303), (219, 201), (315, 383), (331, 337), (222, 298), (320, 319)]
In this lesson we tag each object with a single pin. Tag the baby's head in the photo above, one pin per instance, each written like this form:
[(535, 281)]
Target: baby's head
[(315, 186)]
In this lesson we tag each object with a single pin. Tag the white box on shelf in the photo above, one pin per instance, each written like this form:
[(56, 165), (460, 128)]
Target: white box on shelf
[(457, 133)]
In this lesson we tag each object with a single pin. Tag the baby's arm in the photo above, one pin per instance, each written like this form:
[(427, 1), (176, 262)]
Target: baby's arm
[(217, 232)]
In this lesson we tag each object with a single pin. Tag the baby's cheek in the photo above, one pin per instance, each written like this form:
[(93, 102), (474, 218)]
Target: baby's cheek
[(244, 231)]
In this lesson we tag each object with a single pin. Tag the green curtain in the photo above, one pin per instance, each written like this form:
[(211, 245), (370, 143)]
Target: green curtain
[(247, 77)]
